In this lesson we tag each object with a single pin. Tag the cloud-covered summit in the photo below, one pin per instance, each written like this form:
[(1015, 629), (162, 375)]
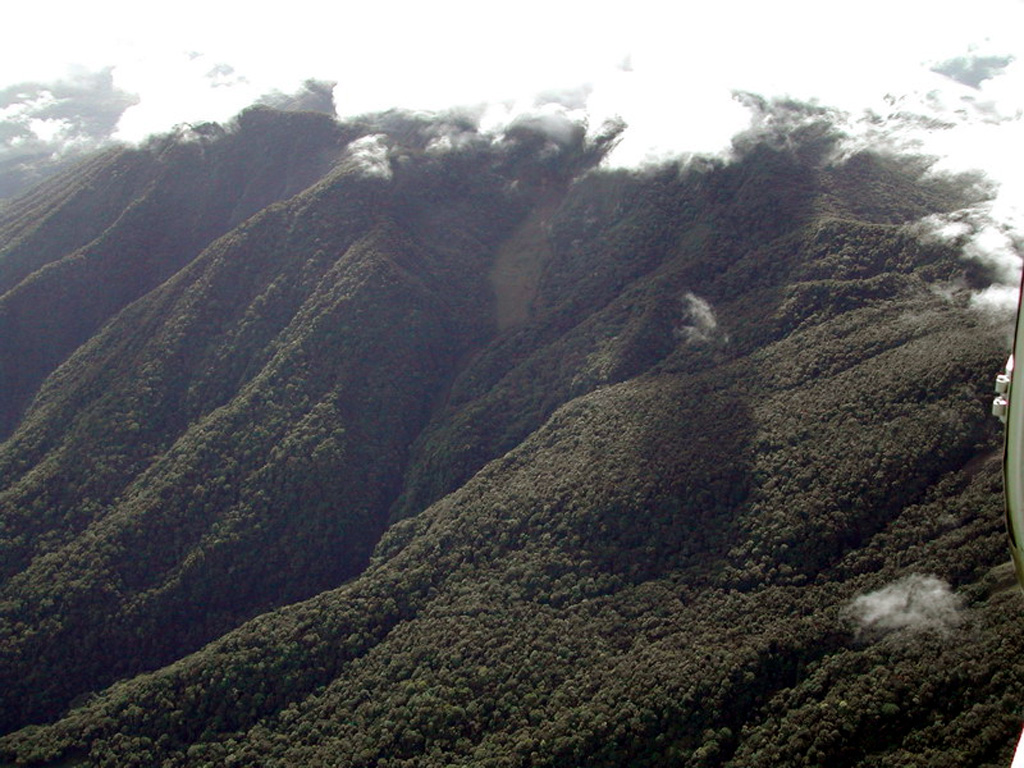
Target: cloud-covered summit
[(928, 78), (46, 125)]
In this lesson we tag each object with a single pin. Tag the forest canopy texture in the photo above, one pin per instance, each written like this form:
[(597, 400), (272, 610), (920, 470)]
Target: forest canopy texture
[(392, 443)]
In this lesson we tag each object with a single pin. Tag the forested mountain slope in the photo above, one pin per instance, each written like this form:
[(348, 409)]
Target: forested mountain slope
[(469, 453), (88, 242)]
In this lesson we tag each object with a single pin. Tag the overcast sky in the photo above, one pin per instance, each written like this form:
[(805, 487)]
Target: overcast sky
[(191, 60), (946, 76)]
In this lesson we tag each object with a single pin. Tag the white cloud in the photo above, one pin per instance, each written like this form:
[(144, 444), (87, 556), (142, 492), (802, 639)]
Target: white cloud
[(685, 60), (178, 87), (370, 155), (998, 300), (914, 603), (700, 321), (986, 232), (48, 129)]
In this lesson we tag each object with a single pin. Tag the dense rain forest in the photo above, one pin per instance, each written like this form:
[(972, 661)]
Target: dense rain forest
[(389, 442)]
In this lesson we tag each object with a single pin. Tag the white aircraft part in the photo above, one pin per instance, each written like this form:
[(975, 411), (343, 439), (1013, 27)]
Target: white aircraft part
[(1012, 414), (1018, 756)]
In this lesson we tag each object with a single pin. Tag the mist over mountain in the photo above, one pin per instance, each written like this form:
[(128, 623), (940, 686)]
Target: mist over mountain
[(398, 440)]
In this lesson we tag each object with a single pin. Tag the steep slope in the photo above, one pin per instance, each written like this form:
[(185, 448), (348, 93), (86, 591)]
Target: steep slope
[(233, 440), (87, 243), (627, 514)]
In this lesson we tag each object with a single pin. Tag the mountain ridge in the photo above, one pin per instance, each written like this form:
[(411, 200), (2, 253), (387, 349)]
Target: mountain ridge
[(318, 497)]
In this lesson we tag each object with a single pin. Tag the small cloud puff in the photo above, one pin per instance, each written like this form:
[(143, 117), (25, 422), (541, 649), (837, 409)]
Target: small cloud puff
[(701, 323), (915, 603), (997, 300), (370, 155), (973, 70)]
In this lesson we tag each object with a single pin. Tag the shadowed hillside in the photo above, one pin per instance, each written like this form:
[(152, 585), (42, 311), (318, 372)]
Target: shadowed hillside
[(90, 241)]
